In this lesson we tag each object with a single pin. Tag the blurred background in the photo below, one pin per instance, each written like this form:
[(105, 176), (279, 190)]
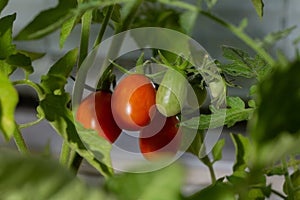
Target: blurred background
[(278, 15)]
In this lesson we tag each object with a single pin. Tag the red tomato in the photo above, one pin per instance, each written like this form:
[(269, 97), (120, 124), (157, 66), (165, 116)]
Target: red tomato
[(132, 102), (94, 112), (165, 141)]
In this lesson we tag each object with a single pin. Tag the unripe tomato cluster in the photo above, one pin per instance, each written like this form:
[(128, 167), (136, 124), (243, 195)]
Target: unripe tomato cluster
[(133, 107)]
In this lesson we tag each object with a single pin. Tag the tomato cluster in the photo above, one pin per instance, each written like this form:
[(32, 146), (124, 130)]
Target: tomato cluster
[(134, 106)]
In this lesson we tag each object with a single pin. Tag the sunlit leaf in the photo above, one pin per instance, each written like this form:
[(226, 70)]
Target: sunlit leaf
[(217, 150), (8, 102)]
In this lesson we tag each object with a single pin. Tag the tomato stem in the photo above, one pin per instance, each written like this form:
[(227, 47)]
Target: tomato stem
[(64, 154), (20, 142), (290, 188), (75, 161)]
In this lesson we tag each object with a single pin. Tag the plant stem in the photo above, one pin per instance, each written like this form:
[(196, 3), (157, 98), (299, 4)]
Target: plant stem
[(35, 86), (278, 194), (75, 161), (290, 188), (84, 39), (240, 34), (206, 161), (19, 140), (21, 126), (64, 154), (104, 25)]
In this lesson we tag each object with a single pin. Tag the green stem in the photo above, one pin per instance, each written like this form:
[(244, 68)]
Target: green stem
[(75, 161), (35, 86), (20, 142), (290, 188), (278, 194), (85, 36), (104, 25), (21, 126), (243, 36), (64, 154), (206, 161)]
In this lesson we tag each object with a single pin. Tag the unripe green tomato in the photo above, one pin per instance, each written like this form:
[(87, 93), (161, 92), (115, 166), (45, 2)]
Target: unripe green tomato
[(171, 93)]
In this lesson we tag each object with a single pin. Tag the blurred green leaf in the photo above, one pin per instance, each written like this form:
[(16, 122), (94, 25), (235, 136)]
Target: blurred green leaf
[(273, 37), (6, 46), (259, 7), (211, 3), (3, 4), (235, 112), (295, 179), (217, 191), (187, 20), (164, 184), (217, 150), (242, 151), (8, 102), (48, 21), (278, 104), (6, 68), (39, 178), (20, 60)]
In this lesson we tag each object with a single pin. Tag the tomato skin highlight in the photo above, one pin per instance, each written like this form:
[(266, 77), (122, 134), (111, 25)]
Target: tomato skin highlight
[(132, 102), (154, 144), (94, 112)]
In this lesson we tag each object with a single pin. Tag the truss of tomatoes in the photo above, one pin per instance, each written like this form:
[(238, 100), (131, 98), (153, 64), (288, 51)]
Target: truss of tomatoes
[(132, 106)]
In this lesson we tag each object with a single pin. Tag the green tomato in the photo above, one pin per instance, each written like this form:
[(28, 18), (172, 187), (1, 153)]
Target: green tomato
[(171, 93)]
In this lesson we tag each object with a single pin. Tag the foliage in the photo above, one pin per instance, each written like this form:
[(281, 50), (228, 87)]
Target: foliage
[(270, 147)]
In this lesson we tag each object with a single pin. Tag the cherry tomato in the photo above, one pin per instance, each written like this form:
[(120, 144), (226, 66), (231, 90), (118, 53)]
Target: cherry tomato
[(158, 140), (94, 112), (132, 102)]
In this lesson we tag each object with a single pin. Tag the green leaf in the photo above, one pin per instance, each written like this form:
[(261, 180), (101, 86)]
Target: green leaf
[(278, 104), (187, 20), (211, 3), (40, 178), (3, 4), (6, 46), (32, 55), (56, 77), (5, 68), (217, 150), (273, 37), (244, 65), (259, 7), (148, 186), (235, 112), (217, 191), (66, 29), (242, 151), (20, 60), (48, 21), (8, 102)]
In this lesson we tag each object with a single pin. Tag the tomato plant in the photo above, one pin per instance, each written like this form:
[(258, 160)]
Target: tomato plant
[(132, 102), (158, 140), (94, 112), (268, 147)]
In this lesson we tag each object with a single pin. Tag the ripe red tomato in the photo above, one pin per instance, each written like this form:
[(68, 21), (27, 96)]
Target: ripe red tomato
[(94, 112), (132, 102), (156, 143)]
